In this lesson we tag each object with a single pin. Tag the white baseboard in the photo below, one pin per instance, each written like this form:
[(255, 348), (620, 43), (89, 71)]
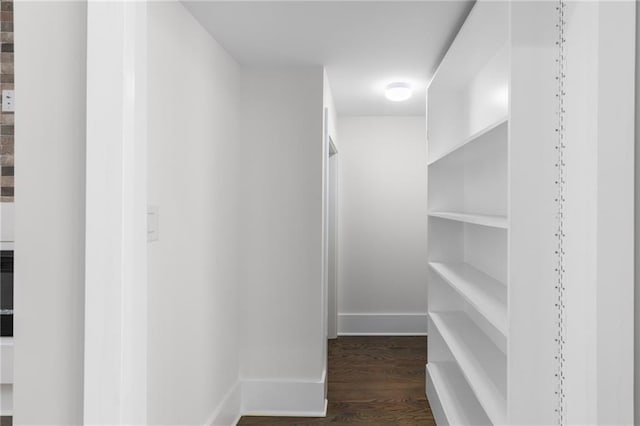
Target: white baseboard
[(271, 398), (382, 324), (229, 411), (284, 398)]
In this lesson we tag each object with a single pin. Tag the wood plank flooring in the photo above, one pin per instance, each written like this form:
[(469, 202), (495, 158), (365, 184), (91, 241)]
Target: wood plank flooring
[(372, 381)]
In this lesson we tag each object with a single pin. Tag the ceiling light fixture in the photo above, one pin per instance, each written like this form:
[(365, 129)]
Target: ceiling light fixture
[(398, 92)]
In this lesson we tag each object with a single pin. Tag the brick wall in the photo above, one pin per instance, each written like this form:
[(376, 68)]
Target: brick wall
[(6, 118)]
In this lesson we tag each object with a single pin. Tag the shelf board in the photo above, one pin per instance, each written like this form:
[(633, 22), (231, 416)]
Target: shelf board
[(481, 362), (459, 404), (493, 127), (476, 219), (487, 295)]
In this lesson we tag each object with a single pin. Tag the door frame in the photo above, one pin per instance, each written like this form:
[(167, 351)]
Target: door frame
[(332, 241), (329, 304)]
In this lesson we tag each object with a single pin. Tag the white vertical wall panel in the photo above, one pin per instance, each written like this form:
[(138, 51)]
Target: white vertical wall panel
[(115, 355), (281, 203), (616, 49), (49, 223), (532, 214)]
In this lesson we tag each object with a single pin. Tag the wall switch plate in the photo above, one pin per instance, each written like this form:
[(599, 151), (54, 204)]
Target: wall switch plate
[(8, 101), (153, 223)]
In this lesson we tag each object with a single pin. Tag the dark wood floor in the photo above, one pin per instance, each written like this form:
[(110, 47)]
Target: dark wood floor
[(372, 381)]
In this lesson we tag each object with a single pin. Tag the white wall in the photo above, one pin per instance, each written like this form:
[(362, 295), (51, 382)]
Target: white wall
[(207, 304), (194, 315), (50, 205), (383, 225), (281, 115)]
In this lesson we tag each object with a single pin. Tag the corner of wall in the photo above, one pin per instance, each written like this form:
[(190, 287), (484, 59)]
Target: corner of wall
[(257, 397), (229, 411), (299, 398)]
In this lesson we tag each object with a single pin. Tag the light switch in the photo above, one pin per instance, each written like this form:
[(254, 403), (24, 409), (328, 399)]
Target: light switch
[(8, 101), (153, 223)]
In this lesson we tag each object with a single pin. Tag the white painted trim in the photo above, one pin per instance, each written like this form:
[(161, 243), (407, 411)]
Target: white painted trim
[(229, 410), (115, 363), (382, 324), (325, 233), (333, 182), (284, 398)]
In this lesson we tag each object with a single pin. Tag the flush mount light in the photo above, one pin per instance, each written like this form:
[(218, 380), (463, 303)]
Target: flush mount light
[(398, 92)]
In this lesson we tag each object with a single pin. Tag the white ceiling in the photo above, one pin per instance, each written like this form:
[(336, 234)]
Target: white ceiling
[(363, 44)]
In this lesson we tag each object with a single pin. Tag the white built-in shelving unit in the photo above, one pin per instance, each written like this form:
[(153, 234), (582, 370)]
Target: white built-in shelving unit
[(468, 128), (530, 190)]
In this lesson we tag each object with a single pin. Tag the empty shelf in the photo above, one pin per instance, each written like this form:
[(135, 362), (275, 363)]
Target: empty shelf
[(481, 362), (459, 404), (477, 219), (495, 127), (486, 294)]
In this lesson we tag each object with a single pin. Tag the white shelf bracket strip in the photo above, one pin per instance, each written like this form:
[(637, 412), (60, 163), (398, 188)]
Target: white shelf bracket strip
[(560, 339)]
